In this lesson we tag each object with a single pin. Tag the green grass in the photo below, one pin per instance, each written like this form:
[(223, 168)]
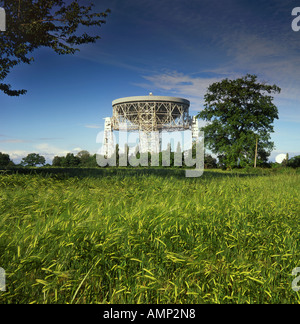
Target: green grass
[(136, 236)]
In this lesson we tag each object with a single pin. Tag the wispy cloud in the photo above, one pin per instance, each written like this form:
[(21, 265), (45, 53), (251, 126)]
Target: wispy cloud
[(13, 141), (263, 56), (247, 52), (76, 149), (16, 155), (180, 84), (48, 149), (98, 56), (93, 126), (49, 138), (275, 59)]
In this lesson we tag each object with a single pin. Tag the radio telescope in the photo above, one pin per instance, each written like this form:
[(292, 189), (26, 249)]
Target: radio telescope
[(150, 116)]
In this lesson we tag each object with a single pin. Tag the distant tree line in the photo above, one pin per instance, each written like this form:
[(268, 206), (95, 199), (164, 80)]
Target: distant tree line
[(85, 159), (82, 159), (294, 162), (209, 161)]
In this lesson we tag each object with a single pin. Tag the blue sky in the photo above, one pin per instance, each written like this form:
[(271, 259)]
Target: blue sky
[(168, 47)]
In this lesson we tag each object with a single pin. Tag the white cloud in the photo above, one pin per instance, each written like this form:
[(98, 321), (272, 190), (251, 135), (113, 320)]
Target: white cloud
[(76, 150), (46, 148), (12, 141), (247, 53), (49, 151), (93, 126), (180, 84), (274, 59), (16, 155)]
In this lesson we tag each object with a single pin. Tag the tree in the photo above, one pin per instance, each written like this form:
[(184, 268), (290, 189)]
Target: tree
[(93, 161), (286, 160), (87, 160), (210, 162), (33, 160), (71, 160), (84, 157), (57, 161), (32, 24), (294, 162), (5, 160), (239, 113)]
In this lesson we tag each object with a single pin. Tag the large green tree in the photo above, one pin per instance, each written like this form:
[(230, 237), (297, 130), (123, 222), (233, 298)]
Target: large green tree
[(240, 113), (33, 160), (32, 24)]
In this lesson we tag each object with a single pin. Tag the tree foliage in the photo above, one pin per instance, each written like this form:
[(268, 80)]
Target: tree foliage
[(210, 162), (238, 113), (294, 162), (32, 24), (82, 159), (33, 160), (5, 160)]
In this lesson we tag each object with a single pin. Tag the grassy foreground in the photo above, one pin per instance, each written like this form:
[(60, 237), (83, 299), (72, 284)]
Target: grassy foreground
[(150, 238)]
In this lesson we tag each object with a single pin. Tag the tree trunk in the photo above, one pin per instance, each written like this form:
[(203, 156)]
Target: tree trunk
[(256, 152)]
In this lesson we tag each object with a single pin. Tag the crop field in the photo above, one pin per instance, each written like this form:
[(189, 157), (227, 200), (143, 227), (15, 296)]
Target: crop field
[(149, 237)]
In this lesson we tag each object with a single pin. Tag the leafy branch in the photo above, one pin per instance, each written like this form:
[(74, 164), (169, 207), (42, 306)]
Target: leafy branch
[(32, 24)]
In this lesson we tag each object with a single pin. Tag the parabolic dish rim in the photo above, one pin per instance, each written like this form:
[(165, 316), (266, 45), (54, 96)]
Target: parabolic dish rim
[(150, 99)]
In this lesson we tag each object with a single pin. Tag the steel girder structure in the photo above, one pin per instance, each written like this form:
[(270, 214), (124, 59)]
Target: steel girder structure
[(151, 114)]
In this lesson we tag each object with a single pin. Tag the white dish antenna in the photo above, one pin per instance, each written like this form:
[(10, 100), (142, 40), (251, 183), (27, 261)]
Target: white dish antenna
[(280, 157)]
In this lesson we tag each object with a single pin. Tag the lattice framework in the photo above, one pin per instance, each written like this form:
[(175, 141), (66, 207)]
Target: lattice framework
[(151, 116)]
